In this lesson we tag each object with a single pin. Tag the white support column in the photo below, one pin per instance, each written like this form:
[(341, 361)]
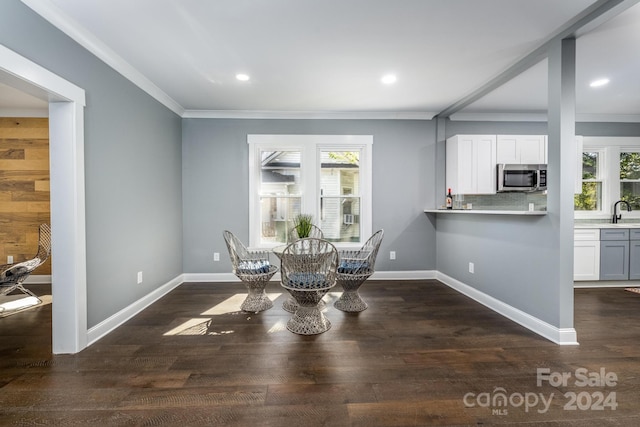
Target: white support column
[(561, 169)]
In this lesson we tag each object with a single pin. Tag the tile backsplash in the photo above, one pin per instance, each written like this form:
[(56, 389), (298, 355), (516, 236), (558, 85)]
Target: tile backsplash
[(508, 201)]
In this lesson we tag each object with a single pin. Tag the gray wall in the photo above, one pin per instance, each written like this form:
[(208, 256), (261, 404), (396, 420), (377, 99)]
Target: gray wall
[(132, 167), (216, 186)]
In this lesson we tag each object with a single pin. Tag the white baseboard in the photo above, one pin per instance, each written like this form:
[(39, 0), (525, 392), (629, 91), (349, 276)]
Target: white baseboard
[(378, 275), (561, 336), (606, 284), (404, 275), (111, 323), (210, 277), (38, 279)]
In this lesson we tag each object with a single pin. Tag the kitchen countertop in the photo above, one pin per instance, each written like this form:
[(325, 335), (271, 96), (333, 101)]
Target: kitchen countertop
[(608, 225), (484, 212)]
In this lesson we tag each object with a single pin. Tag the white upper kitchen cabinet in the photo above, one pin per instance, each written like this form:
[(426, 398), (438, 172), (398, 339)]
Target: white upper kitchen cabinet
[(521, 149), (471, 164)]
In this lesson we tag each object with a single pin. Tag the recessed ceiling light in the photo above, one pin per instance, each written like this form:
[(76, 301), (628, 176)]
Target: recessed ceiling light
[(599, 82), (242, 77), (389, 79)]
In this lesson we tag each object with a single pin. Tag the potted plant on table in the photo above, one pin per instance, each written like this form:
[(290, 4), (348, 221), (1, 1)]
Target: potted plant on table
[(303, 224)]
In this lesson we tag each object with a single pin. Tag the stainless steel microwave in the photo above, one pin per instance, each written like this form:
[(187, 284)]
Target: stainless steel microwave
[(521, 177)]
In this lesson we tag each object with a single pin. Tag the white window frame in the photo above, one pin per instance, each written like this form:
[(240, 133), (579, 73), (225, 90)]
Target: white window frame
[(310, 147), (626, 149), (609, 170), (602, 174)]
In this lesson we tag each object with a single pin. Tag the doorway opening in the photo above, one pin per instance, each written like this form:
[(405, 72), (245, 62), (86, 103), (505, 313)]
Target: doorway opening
[(66, 160)]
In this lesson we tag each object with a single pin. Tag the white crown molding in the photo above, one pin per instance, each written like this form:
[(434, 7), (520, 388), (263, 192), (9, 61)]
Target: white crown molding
[(608, 118), (86, 39), (499, 117), (314, 115), (542, 117)]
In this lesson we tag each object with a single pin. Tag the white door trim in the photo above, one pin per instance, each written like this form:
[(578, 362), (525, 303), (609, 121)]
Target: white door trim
[(66, 142)]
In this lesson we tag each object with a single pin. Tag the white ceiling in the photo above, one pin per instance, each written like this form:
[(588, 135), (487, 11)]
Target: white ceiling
[(327, 57)]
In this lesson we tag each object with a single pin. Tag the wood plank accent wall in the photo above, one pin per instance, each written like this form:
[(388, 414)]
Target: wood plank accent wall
[(24, 187)]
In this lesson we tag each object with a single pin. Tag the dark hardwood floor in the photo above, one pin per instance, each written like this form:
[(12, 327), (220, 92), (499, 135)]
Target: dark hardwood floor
[(421, 355)]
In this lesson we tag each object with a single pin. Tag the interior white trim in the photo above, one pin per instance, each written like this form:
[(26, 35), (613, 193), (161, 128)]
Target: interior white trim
[(405, 275), (86, 39), (310, 147), (499, 117), (608, 118), (542, 117), (312, 115), (24, 112), (106, 326), (561, 336), (211, 277), (378, 275), (38, 279), (66, 139)]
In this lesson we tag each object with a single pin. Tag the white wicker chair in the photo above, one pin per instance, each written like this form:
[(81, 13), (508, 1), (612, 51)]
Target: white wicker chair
[(254, 270), (354, 268), (290, 303), (13, 275), (308, 272)]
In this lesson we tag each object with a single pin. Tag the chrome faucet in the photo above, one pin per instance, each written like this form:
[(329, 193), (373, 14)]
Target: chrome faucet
[(617, 216)]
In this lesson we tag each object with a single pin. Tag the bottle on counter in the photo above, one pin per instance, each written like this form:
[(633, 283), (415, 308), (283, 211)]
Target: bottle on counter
[(449, 200)]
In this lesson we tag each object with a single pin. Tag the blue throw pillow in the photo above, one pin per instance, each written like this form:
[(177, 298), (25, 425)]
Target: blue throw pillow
[(353, 266), (253, 267), (308, 280)]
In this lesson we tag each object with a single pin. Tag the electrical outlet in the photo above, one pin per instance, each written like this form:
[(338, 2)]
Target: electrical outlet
[(139, 277), (471, 268), (9, 259), (216, 256), (392, 255)]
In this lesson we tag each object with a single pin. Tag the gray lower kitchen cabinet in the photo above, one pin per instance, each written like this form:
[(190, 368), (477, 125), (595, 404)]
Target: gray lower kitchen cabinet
[(614, 254), (634, 255)]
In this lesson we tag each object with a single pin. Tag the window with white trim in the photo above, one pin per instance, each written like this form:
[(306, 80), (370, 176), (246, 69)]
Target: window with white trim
[(592, 179), (611, 172), (326, 176), (630, 178)]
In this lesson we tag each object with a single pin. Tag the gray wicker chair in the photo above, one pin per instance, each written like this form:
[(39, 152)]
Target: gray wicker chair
[(354, 269), (254, 270), (13, 275), (308, 272)]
